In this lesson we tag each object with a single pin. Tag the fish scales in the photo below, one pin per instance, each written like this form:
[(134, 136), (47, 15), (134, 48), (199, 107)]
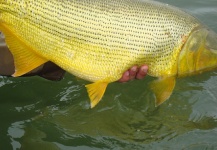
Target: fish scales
[(98, 40), (130, 32)]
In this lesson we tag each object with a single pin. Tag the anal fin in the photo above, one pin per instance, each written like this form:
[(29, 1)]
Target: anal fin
[(25, 59), (162, 89), (96, 91)]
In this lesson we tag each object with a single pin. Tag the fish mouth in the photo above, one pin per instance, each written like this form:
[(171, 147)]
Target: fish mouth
[(199, 53)]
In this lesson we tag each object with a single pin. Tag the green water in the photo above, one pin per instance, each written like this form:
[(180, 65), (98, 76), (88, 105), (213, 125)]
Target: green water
[(43, 115)]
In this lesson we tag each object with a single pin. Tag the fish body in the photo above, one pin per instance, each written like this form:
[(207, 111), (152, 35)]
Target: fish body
[(98, 40)]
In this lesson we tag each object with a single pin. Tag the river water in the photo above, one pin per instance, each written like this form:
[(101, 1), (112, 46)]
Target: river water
[(40, 114)]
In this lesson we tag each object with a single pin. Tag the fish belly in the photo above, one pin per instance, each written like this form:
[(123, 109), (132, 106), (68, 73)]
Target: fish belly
[(99, 39)]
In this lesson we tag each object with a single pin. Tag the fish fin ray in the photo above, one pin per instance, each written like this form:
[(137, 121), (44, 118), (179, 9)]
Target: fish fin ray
[(162, 89), (96, 91), (25, 59)]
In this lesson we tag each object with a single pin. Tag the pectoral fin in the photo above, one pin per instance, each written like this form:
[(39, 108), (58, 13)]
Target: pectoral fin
[(162, 89), (25, 59), (96, 91)]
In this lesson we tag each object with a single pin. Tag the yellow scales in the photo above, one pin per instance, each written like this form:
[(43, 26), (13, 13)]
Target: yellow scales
[(97, 40)]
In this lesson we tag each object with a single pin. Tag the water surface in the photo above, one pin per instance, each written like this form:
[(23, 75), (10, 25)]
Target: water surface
[(40, 114)]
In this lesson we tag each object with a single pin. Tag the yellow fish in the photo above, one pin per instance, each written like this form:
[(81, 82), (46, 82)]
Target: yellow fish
[(97, 40)]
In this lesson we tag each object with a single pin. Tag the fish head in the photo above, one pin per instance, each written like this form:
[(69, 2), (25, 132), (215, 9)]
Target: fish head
[(199, 52)]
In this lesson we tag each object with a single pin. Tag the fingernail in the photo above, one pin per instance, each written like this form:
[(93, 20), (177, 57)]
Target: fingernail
[(144, 69), (134, 69)]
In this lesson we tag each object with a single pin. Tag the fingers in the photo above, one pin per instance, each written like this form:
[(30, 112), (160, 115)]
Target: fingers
[(125, 77), (129, 74), (142, 72), (134, 73)]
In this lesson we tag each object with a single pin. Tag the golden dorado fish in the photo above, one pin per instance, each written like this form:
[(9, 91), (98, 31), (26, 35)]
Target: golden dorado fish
[(97, 40)]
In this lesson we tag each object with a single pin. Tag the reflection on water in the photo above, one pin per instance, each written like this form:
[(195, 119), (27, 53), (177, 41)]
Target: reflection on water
[(4, 81), (40, 114)]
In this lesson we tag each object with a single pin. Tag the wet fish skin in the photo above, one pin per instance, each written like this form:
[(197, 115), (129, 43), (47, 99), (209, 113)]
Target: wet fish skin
[(98, 40)]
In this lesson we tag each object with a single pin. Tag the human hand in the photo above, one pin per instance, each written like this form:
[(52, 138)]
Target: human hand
[(134, 72)]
